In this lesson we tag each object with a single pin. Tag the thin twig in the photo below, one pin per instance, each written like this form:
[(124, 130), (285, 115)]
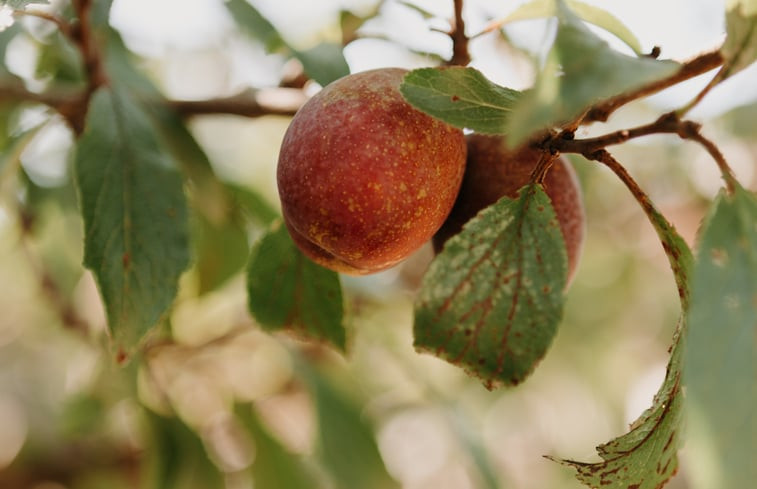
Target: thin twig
[(666, 124), (85, 39), (460, 54), (725, 170), (63, 26), (251, 103)]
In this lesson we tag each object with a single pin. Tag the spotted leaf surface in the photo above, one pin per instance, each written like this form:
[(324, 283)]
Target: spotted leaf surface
[(491, 301)]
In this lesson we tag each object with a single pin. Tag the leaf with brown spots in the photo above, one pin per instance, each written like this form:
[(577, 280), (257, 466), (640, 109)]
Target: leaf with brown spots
[(646, 456), (288, 291), (491, 301)]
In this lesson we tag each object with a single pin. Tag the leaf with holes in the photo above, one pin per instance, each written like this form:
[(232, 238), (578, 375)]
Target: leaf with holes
[(135, 216), (491, 301), (288, 291), (462, 97), (721, 358)]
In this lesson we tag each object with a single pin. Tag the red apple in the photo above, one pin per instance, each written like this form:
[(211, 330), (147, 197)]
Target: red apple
[(364, 178)]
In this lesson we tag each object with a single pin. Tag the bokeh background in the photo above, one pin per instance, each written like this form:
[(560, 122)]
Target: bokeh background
[(70, 418)]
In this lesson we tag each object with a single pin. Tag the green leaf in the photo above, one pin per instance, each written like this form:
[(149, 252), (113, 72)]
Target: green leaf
[(721, 357), (740, 47), (288, 291), (591, 71), (254, 205), (491, 301), (135, 217), (460, 96), (324, 63), (60, 60), (21, 4), (346, 441), (221, 250), (254, 24), (176, 457), (600, 17), (646, 456), (274, 466)]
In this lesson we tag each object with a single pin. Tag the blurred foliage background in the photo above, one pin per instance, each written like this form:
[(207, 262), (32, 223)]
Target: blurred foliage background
[(217, 402)]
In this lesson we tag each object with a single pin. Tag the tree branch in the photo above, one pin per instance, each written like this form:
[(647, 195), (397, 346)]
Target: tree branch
[(668, 123), (725, 170), (251, 103), (63, 26)]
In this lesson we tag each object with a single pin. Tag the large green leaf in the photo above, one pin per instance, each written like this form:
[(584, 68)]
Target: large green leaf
[(460, 96), (740, 46), (135, 216), (491, 301), (288, 291), (581, 70), (721, 360)]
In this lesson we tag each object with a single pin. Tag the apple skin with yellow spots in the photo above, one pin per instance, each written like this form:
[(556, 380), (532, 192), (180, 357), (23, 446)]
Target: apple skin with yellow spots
[(364, 178), (493, 170)]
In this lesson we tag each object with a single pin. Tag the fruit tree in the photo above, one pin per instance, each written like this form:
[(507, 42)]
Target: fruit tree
[(378, 244)]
